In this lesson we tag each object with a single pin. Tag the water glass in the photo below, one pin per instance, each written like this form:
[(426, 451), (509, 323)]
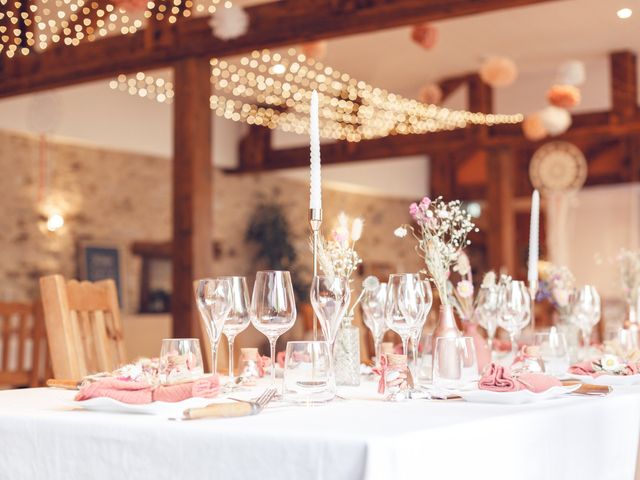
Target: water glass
[(622, 342), (400, 302), (274, 308), (487, 311), (308, 374), (554, 351), (180, 360), (238, 319), (454, 362), (515, 311), (213, 297)]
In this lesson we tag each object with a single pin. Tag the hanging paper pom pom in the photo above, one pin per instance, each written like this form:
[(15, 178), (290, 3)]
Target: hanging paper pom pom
[(533, 127), (229, 23), (555, 120), (431, 93), (316, 50), (563, 96), (572, 73), (131, 5), (425, 35), (498, 71)]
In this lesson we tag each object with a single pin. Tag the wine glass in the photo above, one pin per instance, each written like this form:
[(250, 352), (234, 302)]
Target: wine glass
[(585, 313), (415, 305), (394, 315), (372, 304), (487, 310), (330, 297), (274, 308), (237, 320), (213, 297), (515, 310), (553, 351)]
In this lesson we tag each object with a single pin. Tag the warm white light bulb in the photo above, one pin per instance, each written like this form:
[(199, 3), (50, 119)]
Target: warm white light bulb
[(624, 13), (278, 69), (55, 222)]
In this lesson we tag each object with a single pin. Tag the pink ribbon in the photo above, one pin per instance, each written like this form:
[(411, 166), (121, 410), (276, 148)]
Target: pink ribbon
[(384, 369)]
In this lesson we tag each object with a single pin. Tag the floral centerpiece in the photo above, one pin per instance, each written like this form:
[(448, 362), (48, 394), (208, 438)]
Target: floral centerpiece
[(629, 263), (556, 284), (441, 234)]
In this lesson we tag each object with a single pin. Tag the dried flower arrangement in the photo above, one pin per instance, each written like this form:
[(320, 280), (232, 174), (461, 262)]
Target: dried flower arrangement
[(461, 294), (443, 229), (629, 263), (556, 284)]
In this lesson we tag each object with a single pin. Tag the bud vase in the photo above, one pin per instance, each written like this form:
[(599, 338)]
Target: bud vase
[(347, 353), (446, 327)]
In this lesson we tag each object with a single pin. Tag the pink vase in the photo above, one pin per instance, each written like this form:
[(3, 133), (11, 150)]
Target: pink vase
[(483, 354)]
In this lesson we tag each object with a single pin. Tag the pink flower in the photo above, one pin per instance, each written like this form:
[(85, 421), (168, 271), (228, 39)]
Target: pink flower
[(425, 202), (413, 210), (465, 288)]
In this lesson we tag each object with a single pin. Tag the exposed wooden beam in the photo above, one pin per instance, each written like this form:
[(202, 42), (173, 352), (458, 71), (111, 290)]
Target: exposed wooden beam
[(192, 191), (254, 148), (272, 24), (502, 220), (624, 86)]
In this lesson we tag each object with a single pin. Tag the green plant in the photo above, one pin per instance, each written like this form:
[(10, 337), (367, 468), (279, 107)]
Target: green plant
[(269, 229)]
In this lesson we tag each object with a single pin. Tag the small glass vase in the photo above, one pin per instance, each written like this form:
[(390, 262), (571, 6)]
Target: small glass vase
[(347, 353)]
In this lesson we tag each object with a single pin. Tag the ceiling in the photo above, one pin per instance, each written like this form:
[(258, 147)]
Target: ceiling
[(537, 37)]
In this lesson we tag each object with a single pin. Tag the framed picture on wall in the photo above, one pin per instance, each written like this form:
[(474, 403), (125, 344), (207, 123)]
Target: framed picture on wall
[(100, 261)]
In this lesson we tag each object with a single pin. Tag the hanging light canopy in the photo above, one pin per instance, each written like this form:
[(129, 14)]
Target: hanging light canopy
[(274, 89)]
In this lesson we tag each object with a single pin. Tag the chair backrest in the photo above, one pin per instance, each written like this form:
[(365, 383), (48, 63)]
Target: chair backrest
[(23, 355), (83, 324)]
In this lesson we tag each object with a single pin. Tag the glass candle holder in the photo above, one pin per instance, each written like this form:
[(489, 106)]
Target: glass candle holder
[(180, 360)]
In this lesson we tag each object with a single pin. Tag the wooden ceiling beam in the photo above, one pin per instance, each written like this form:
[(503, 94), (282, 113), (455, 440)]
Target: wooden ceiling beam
[(624, 86), (272, 24)]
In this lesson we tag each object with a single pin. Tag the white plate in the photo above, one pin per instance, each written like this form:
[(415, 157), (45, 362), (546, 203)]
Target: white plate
[(610, 380), (164, 409), (514, 398)]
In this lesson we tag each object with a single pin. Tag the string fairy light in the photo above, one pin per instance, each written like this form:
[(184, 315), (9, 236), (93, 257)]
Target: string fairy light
[(273, 89), (36, 25)]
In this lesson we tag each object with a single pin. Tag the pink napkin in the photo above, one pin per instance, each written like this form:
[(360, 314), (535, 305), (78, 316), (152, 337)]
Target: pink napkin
[(499, 379), (141, 392)]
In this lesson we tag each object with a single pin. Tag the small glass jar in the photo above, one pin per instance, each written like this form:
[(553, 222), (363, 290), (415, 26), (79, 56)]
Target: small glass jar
[(347, 353)]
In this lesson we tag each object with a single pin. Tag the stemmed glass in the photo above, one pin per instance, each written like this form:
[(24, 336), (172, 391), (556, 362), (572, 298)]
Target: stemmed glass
[(274, 308), (585, 313), (237, 320), (330, 297), (417, 308), (213, 297), (372, 304), (515, 310), (487, 310)]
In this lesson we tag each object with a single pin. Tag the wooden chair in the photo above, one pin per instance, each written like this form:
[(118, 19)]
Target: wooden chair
[(83, 326), (23, 354)]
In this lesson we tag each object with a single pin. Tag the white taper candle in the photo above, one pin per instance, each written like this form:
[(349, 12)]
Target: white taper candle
[(534, 239), (315, 198)]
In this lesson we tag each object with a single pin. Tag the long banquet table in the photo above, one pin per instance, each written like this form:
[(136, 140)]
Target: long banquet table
[(42, 435)]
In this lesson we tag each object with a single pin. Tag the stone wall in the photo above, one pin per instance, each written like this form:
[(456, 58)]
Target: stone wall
[(119, 197)]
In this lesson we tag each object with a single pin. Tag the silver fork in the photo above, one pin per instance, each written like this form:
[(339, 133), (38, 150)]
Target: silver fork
[(240, 408)]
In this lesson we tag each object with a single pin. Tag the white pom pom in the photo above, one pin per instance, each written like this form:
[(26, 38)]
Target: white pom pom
[(229, 23), (572, 72), (555, 120)]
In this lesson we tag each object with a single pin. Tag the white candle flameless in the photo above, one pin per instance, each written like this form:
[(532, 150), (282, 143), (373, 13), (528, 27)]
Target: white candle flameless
[(534, 234), (315, 198)]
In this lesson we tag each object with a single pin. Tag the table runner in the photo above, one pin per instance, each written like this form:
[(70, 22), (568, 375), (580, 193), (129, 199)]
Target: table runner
[(577, 437)]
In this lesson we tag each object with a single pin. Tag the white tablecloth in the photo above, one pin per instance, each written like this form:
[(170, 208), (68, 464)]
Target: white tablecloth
[(41, 436)]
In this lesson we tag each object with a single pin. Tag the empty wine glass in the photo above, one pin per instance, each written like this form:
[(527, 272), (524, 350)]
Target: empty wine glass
[(372, 304), (416, 305), (515, 310), (237, 320), (554, 351), (585, 313), (213, 297), (487, 311), (394, 315), (330, 297), (274, 308)]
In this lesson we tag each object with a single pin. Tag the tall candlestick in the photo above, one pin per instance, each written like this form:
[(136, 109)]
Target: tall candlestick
[(315, 196), (534, 251)]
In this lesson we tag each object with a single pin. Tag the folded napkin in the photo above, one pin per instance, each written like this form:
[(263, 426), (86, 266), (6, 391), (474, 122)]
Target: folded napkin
[(136, 392), (499, 379)]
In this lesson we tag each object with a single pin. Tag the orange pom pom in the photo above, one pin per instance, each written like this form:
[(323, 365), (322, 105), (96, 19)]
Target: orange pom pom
[(431, 93), (533, 128), (564, 96), (425, 35), (316, 50), (498, 71)]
